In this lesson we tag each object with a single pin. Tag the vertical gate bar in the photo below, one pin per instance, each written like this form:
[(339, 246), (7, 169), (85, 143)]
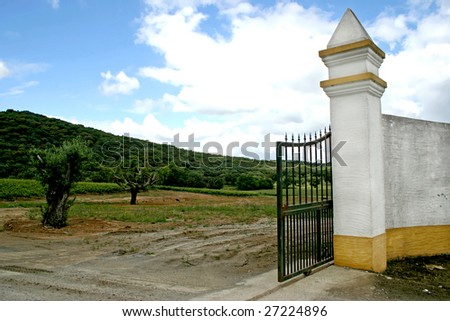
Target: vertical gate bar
[(304, 159), (293, 170), (286, 176), (299, 240), (291, 247), (296, 242), (299, 254), (293, 242), (288, 244), (305, 243), (289, 237), (321, 167), (318, 236), (286, 247), (310, 169), (306, 218), (310, 245), (330, 231), (280, 225), (325, 252), (326, 164), (296, 247), (331, 210), (294, 254), (305, 237), (331, 158), (324, 235), (313, 237), (279, 160), (327, 235), (326, 245), (316, 166), (299, 171)]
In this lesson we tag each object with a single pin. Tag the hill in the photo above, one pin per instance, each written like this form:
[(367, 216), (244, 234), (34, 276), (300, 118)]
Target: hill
[(21, 131)]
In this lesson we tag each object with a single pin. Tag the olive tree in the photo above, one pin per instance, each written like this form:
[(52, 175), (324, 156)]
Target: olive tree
[(135, 179), (58, 169)]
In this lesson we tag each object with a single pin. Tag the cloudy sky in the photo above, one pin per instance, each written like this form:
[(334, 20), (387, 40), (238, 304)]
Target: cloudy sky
[(223, 70)]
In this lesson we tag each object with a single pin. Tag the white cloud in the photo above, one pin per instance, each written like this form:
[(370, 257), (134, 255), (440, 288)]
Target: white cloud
[(169, 5), (118, 84), (262, 79), (269, 57), (263, 76), (54, 3), (390, 29), (17, 90), (417, 72), (19, 72), (4, 71), (20, 69), (143, 106)]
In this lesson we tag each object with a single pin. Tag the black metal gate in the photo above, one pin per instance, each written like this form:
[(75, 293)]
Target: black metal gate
[(304, 204)]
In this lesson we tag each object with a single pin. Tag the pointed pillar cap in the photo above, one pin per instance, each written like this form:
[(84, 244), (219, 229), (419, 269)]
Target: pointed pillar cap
[(349, 30), (349, 35)]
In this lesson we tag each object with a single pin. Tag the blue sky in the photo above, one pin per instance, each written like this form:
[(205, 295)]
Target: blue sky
[(225, 70)]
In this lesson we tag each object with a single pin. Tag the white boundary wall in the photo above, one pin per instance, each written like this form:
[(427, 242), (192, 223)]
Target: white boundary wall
[(416, 171)]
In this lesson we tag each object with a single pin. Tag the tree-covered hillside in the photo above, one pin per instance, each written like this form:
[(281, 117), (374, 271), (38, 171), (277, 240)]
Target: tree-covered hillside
[(20, 131)]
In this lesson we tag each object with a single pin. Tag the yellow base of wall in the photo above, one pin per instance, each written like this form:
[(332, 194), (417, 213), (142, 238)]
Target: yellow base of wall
[(363, 253), (418, 241), (371, 254)]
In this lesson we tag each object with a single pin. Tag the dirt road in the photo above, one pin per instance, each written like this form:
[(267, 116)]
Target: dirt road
[(94, 259), (98, 260)]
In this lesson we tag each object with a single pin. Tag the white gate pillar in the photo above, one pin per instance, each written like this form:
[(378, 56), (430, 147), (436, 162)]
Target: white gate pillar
[(355, 90)]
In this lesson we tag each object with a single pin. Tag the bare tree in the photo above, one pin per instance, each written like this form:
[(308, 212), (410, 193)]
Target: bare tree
[(135, 179)]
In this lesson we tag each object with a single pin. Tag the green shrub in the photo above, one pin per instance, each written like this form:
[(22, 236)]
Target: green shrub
[(11, 189), (247, 182), (214, 182), (207, 191), (14, 188)]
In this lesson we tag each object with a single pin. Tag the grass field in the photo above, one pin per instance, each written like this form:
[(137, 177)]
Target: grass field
[(108, 201), (160, 205), (11, 189)]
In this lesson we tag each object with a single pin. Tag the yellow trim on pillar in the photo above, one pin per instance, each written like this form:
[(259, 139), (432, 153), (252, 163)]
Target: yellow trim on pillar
[(418, 241), (363, 253), (353, 78), (352, 46)]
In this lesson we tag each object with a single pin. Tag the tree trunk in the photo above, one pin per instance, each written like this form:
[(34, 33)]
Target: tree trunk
[(56, 212), (134, 193)]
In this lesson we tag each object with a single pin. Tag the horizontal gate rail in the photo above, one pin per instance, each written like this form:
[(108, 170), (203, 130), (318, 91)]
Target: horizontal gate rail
[(305, 207), (304, 204)]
